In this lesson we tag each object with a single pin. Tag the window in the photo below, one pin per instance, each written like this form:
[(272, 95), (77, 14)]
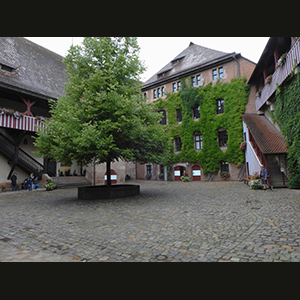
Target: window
[(162, 171), (164, 117), (220, 106), (163, 91), (196, 112), (149, 169), (221, 74), (145, 95), (178, 86), (198, 141), (154, 94), (224, 166), (193, 81), (158, 93), (198, 80), (178, 144), (179, 115), (174, 87), (223, 138), (215, 74)]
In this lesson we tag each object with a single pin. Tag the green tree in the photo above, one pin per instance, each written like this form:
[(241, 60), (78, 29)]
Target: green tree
[(102, 117)]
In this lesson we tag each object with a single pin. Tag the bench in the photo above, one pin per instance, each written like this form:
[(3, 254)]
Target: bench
[(247, 180), (7, 185)]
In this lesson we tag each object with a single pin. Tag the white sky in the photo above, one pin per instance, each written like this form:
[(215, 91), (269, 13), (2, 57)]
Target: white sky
[(156, 52)]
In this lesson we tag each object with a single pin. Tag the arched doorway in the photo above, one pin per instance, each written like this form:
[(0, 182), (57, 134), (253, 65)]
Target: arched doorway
[(113, 177), (196, 173), (178, 172)]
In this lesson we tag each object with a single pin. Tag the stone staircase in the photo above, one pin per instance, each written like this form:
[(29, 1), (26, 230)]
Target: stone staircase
[(70, 181), (277, 178)]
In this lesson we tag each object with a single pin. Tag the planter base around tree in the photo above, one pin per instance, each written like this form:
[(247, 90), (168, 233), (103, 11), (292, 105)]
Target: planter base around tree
[(105, 192)]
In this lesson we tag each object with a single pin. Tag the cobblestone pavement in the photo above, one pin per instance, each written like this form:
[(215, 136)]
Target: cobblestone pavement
[(171, 222)]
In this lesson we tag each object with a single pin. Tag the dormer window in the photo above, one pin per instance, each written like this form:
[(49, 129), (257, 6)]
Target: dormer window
[(177, 60), (6, 68)]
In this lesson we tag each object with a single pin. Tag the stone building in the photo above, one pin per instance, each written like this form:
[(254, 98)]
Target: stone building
[(196, 66)]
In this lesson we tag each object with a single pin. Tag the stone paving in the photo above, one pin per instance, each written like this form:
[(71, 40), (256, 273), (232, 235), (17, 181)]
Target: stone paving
[(168, 222)]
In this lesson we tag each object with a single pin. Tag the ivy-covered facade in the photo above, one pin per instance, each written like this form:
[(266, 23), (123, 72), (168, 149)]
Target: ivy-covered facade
[(201, 95), (205, 124), (273, 133)]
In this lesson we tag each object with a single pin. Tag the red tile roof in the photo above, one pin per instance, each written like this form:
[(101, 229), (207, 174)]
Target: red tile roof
[(265, 134)]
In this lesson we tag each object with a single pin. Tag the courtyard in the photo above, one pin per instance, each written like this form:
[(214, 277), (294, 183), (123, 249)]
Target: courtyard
[(167, 222)]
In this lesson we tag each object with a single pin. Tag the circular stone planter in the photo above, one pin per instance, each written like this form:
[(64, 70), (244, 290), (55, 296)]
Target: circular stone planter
[(104, 192)]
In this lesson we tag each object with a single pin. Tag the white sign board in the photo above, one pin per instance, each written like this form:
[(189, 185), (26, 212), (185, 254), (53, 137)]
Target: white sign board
[(112, 177), (196, 173), (176, 173)]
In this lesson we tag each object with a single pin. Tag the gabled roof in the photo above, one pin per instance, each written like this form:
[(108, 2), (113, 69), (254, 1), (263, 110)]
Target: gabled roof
[(267, 137), (193, 57), (37, 70)]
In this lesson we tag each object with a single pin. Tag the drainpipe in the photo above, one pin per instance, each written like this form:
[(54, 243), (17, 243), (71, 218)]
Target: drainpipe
[(239, 67)]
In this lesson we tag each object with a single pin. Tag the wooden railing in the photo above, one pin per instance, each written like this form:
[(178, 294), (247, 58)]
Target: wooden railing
[(280, 74), (26, 123)]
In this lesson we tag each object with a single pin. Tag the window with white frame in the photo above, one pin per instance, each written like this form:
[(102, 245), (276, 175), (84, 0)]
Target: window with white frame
[(220, 106), (174, 87), (154, 94), (198, 79), (198, 141)]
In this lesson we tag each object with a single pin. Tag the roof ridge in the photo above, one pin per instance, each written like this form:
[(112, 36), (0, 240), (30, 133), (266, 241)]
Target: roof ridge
[(191, 57)]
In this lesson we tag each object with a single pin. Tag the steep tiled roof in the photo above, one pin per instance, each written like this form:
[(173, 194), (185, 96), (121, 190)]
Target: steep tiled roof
[(37, 70), (192, 57), (267, 137)]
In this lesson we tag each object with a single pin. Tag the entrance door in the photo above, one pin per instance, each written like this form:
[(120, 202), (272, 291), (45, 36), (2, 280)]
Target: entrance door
[(178, 172), (196, 173), (113, 177)]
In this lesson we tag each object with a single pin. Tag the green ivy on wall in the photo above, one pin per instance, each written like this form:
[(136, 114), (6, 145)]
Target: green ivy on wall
[(235, 95), (287, 115)]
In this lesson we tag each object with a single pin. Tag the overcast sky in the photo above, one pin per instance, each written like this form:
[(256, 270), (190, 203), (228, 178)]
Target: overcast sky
[(156, 52)]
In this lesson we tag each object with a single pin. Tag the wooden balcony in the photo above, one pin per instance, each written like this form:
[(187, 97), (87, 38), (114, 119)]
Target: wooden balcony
[(26, 123), (280, 74)]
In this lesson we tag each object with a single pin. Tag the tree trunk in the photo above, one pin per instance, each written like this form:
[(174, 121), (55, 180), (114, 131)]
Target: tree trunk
[(108, 173)]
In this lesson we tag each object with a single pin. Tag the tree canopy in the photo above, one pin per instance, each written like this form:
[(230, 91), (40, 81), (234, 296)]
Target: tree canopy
[(102, 116)]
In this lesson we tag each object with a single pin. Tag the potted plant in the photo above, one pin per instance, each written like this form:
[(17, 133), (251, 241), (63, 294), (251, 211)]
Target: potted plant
[(185, 177), (50, 185), (225, 175), (281, 60), (268, 79), (148, 176), (255, 184), (258, 94), (243, 145)]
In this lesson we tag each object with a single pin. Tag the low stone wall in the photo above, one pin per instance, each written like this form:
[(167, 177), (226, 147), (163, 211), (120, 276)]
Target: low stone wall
[(104, 192)]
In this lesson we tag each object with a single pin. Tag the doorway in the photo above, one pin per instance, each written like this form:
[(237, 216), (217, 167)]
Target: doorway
[(178, 172)]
